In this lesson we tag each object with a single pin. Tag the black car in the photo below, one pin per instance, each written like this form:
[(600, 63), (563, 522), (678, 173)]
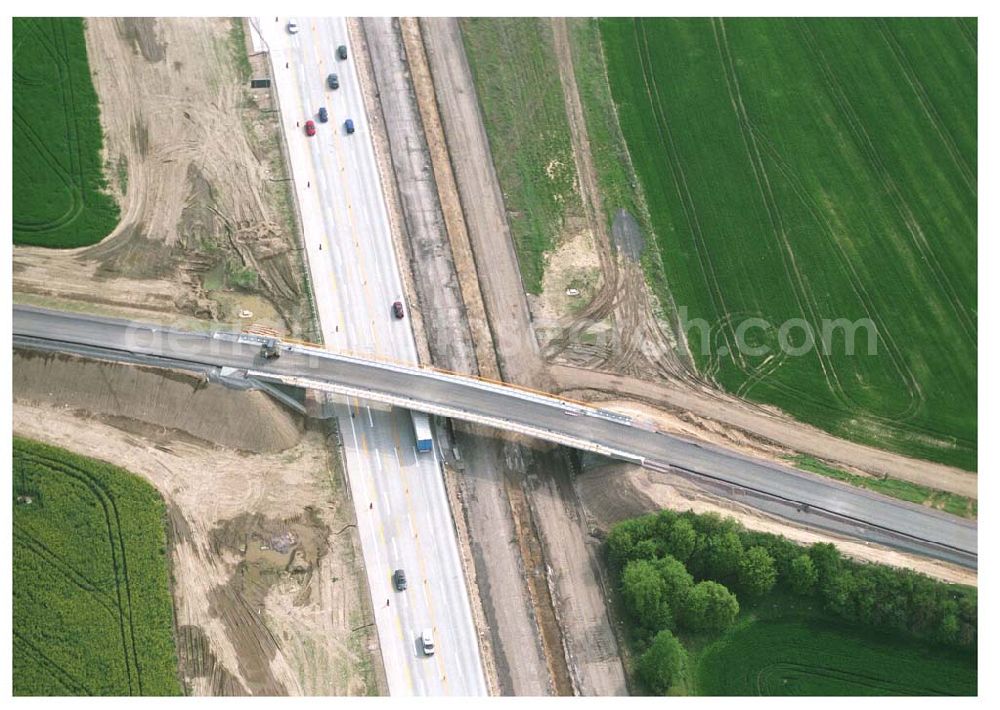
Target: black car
[(399, 580), (397, 309), (332, 81), (323, 115), (342, 52)]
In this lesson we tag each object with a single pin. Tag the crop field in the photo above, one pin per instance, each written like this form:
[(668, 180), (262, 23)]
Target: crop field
[(91, 590), (806, 174), (810, 658), (514, 67), (59, 190)]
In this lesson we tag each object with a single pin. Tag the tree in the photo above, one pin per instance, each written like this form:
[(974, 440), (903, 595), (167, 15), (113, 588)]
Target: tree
[(624, 537), (709, 607), (681, 539), (644, 593), (827, 560), (802, 575), (677, 581), (757, 574), (721, 555), (662, 665)]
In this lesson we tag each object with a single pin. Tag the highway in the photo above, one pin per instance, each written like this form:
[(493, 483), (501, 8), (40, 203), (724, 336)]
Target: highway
[(809, 498), (404, 520)]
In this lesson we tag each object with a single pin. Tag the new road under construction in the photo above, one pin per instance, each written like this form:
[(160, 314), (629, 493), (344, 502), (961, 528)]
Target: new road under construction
[(791, 493)]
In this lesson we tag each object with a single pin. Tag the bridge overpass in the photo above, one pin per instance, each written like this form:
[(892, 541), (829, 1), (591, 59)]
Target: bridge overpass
[(802, 497)]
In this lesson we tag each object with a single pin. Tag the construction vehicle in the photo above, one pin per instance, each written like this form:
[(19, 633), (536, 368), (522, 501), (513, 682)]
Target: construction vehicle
[(422, 430), (269, 349)]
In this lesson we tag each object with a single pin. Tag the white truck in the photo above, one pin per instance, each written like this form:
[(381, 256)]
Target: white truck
[(422, 431)]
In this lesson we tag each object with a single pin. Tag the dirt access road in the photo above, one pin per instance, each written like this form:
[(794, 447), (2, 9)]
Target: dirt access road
[(268, 583), (193, 161), (578, 644)]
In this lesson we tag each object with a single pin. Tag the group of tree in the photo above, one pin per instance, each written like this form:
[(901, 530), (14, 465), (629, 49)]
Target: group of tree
[(677, 569)]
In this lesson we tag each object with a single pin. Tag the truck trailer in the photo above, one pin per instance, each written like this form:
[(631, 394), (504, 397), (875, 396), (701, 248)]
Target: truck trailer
[(422, 430)]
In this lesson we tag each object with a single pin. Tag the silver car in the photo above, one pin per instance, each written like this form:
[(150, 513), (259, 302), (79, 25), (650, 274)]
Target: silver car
[(427, 642)]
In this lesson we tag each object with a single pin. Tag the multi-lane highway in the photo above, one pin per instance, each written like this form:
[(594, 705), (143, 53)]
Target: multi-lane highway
[(404, 520), (811, 499)]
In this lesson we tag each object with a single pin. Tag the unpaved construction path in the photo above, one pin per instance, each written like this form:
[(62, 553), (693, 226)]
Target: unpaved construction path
[(268, 584), (194, 163), (639, 345), (578, 644), (482, 203)]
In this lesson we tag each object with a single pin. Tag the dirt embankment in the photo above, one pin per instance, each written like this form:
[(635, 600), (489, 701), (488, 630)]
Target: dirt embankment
[(193, 160), (147, 400), (268, 589), (611, 493)]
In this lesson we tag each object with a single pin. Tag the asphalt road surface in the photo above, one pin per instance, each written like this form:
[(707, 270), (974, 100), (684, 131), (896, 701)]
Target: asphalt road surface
[(404, 520), (808, 498)]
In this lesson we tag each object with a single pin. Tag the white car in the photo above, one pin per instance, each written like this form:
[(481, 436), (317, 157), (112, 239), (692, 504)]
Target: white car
[(293, 27), (427, 642)]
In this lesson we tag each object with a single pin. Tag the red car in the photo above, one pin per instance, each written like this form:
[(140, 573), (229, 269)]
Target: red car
[(310, 128), (397, 309)]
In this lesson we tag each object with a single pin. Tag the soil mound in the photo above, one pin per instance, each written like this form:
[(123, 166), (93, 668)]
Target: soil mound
[(128, 396)]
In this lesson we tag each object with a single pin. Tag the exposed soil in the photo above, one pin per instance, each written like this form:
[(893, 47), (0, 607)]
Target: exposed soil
[(269, 592), (636, 344), (614, 492), (482, 204), (193, 161), (148, 402)]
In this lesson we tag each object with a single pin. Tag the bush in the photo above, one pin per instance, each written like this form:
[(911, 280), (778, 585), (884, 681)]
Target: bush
[(677, 581), (709, 607), (802, 575), (662, 665), (681, 540), (757, 574), (719, 556), (645, 595)]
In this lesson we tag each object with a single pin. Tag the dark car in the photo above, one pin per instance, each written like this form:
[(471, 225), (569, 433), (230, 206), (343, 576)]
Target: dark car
[(323, 115), (349, 126), (397, 309), (310, 128), (399, 580), (342, 52), (332, 81)]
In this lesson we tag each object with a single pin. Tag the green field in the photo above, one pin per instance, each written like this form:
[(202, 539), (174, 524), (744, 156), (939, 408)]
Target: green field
[(793, 657), (91, 586), (59, 189), (817, 170), (517, 79)]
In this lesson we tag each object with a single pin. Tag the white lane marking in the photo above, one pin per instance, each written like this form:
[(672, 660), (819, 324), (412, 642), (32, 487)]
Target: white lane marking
[(372, 424), (378, 454)]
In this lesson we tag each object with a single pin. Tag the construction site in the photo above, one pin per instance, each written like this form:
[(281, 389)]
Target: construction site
[(270, 588)]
